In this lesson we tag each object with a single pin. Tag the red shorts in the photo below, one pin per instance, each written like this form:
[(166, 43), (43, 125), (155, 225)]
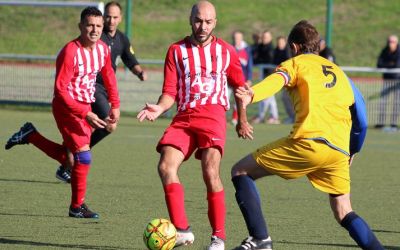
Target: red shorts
[(75, 131), (203, 127)]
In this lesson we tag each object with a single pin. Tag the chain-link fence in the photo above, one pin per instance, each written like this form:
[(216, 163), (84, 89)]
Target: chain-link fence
[(33, 83)]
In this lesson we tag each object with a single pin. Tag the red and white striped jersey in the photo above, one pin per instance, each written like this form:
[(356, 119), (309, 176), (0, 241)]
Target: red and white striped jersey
[(76, 71), (195, 75)]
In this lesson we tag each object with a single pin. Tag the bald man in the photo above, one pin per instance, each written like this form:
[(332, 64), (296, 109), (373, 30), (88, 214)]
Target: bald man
[(389, 58), (196, 75)]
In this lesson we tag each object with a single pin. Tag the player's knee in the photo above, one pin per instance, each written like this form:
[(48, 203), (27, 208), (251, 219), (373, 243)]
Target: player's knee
[(168, 171), (111, 127), (238, 169), (234, 171), (167, 168), (83, 157), (341, 206)]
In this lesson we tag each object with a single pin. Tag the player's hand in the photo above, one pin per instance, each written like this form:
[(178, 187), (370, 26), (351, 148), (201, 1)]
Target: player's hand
[(244, 130), (114, 115), (150, 112), (245, 94), (142, 76), (95, 121)]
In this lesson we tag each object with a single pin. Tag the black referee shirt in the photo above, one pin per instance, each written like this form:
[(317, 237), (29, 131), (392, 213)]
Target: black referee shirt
[(120, 46)]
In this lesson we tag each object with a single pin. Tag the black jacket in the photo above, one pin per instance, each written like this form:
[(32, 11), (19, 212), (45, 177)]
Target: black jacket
[(389, 60)]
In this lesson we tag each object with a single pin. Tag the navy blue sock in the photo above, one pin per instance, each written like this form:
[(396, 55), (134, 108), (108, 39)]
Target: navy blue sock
[(360, 232), (249, 203)]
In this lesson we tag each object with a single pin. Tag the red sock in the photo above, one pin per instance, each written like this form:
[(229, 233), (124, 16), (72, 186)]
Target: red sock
[(52, 149), (235, 114), (78, 183), (175, 199), (216, 213)]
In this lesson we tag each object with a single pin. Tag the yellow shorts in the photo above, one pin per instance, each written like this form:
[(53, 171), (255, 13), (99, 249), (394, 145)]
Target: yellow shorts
[(326, 168)]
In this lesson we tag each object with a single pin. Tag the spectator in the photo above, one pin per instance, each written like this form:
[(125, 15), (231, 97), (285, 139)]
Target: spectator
[(281, 51), (325, 51), (265, 52), (281, 54), (246, 60), (254, 47), (390, 58)]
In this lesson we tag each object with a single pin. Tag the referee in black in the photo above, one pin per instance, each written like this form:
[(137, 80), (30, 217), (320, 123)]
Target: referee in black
[(120, 46)]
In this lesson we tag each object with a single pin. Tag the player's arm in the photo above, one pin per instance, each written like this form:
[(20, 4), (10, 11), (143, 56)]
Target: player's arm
[(64, 74), (110, 83), (243, 128), (359, 122), (269, 86), (152, 111), (139, 72), (167, 99), (236, 79), (266, 88), (130, 61)]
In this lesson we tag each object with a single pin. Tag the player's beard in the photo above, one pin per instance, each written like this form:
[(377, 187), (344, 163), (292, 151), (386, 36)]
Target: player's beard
[(199, 39)]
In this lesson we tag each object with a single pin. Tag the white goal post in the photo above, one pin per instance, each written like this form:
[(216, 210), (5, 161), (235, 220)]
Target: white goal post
[(99, 5)]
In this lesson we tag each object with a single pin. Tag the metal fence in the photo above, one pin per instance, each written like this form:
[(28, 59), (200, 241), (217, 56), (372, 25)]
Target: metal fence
[(24, 82)]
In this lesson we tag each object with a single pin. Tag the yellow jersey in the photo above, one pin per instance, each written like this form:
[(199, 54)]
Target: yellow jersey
[(321, 94)]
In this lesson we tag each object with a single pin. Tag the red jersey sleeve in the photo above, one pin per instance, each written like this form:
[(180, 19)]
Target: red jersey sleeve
[(64, 74), (234, 72), (170, 74), (110, 82)]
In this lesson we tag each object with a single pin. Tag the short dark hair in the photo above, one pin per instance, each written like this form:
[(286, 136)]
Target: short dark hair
[(113, 3), (90, 11), (306, 36)]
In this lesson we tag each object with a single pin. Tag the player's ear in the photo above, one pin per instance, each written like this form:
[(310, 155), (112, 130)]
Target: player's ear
[(294, 48)]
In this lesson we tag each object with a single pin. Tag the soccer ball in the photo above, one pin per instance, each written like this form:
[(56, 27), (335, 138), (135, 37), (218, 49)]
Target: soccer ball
[(159, 234)]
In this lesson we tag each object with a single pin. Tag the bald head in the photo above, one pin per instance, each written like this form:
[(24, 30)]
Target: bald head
[(203, 6), (203, 21), (392, 42)]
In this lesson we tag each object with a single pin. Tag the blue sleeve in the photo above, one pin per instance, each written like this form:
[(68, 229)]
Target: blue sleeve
[(359, 121)]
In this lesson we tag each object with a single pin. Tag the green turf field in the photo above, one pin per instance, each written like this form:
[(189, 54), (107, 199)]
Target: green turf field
[(124, 188)]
